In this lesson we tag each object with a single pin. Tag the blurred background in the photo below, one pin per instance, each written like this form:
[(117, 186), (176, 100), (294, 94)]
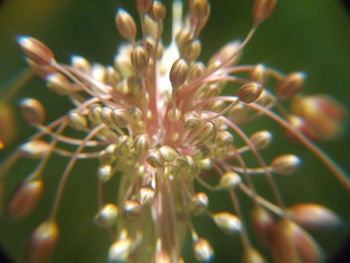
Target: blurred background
[(311, 36)]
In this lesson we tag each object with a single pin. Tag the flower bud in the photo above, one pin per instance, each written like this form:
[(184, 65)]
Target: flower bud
[(261, 139), (81, 64), (285, 164), (35, 50), (144, 6), (107, 216), (32, 111), (139, 58), (258, 74), (119, 118), (199, 8), (249, 92), (227, 222), (77, 121), (229, 180), (155, 159), (58, 83), (146, 195), (290, 85), (131, 208), (24, 198), (263, 224), (120, 250), (199, 203), (105, 172), (42, 243), (314, 216), (178, 72), (34, 149), (203, 251), (263, 8), (126, 25), (158, 11), (168, 153)]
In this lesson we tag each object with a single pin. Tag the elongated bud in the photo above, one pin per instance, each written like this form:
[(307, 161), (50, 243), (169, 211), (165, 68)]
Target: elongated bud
[(146, 195), (202, 249), (132, 208), (42, 243), (119, 251), (32, 111), (263, 224), (119, 118), (199, 8), (35, 50), (314, 216), (285, 164), (258, 74), (155, 159), (58, 83), (227, 222), (77, 121), (107, 216), (251, 255), (139, 58), (24, 198), (105, 172), (144, 6), (178, 72), (290, 85), (158, 11), (263, 8), (249, 92), (126, 25), (261, 139), (81, 63), (229, 180), (34, 149), (199, 203), (168, 153)]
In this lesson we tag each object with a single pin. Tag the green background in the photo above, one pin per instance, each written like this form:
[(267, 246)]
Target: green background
[(307, 35)]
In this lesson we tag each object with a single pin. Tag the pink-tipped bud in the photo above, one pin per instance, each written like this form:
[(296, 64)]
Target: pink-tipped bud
[(126, 25), (285, 164), (42, 243), (290, 85), (263, 8), (249, 92), (32, 111), (35, 50), (24, 198), (314, 216)]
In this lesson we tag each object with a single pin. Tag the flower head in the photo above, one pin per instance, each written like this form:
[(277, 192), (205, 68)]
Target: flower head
[(156, 120)]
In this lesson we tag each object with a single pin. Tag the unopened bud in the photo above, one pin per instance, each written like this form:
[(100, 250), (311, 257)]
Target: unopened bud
[(261, 139), (203, 251), (199, 8), (263, 8), (42, 243), (119, 118), (158, 11), (77, 120), (290, 85), (314, 216), (139, 58), (119, 251), (35, 50), (146, 195), (144, 6), (249, 92), (199, 203), (24, 198), (126, 25), (107, 216), (58, 83), (229, 180), (34, 149), (142, 144), (227, 222), (81, 63), (258, 74), (131, 208), (168, 153), (155, 159), (178, 72), (105, 172), (263, 224), (285, 164), (32, 111)]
